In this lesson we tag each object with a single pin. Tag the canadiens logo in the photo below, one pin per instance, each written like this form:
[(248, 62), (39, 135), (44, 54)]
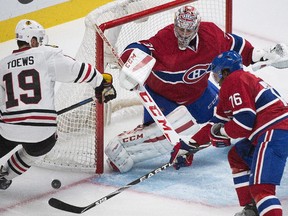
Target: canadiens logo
[(188, 17), (195, 73)]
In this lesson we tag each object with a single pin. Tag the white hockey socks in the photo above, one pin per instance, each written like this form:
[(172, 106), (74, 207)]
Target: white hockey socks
[(18, 163)]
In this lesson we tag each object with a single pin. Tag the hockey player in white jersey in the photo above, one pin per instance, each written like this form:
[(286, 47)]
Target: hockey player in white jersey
[(43, 38), (28, 115)]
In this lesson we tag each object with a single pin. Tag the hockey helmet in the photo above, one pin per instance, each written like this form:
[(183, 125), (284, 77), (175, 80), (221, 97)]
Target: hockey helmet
[(186, 24), (27, 29), (227, 61)]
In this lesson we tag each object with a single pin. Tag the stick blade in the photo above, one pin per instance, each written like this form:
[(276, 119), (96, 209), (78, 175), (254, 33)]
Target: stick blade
[(58, 204)]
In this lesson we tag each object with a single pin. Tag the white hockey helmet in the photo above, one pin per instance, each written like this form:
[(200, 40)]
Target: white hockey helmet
[(186, 25), (27, 29)]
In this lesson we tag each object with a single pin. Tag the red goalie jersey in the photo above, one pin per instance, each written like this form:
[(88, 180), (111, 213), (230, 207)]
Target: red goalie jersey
[(182, 75)]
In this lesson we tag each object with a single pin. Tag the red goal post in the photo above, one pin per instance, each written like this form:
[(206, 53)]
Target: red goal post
[(81, 132)]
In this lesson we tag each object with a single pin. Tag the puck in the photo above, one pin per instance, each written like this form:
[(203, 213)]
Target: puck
[(56, 184)]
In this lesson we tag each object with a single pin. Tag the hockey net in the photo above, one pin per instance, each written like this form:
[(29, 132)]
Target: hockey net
[(81, 131)]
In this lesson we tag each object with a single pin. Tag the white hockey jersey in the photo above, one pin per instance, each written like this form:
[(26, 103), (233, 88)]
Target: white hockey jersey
[(27, 83)]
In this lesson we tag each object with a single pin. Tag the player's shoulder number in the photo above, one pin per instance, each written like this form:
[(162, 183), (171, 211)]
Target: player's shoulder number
[(235, 99)]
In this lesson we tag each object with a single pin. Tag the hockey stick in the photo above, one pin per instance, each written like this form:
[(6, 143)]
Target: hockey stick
[(58, 204), (145, 97), (157, 115), (81, 103)]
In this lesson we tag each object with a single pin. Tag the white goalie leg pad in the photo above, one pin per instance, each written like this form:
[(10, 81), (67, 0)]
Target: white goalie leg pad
[(118, 155), (146, 142)]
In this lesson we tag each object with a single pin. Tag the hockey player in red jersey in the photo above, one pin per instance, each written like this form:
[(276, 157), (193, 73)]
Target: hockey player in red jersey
[(180, 77), (251, 109), (28, 115)]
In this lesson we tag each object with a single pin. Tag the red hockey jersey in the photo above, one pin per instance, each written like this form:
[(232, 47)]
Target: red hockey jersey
[(253, 104), (182, 76), (249, 106)]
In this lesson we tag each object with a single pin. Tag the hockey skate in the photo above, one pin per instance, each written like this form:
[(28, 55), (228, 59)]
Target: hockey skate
[(4, 183), (249, 210)]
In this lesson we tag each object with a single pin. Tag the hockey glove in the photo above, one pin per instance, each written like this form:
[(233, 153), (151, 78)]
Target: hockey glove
[(273, 54), (105, 91), (182, 154), (217, 138), (183, 161)]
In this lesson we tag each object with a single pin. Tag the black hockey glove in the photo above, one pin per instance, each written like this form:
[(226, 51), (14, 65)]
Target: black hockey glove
[(105, 91)]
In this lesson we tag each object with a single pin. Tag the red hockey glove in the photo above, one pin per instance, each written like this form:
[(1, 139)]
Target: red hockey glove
[(105, 91), (182, 154), (183, 161), (218, 139)]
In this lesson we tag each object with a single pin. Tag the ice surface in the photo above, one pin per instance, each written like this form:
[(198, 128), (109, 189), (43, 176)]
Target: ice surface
[(205, 189)]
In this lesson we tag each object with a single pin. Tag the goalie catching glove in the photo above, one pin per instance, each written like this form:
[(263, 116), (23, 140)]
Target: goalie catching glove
[(218, 136), (276, 56), (105, 91)]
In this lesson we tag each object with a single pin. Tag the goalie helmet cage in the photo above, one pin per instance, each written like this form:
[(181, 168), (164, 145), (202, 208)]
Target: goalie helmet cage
[(80, 144)]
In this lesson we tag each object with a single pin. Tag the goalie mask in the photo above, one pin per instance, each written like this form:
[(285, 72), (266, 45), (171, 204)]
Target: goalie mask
[(27, 29), (186, 25)]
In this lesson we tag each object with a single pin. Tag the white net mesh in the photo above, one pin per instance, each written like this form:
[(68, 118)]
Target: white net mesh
[(76, 147)]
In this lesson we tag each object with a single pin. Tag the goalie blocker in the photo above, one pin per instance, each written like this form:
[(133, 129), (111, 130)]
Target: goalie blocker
[(147, 142)]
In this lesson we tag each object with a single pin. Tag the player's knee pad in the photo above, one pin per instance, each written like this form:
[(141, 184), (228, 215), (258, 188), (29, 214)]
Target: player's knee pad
[(146, 142), (236, 163)]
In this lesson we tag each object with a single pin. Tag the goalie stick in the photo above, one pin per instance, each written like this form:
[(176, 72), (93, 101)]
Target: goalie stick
[(58, 204), (145, 97)]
